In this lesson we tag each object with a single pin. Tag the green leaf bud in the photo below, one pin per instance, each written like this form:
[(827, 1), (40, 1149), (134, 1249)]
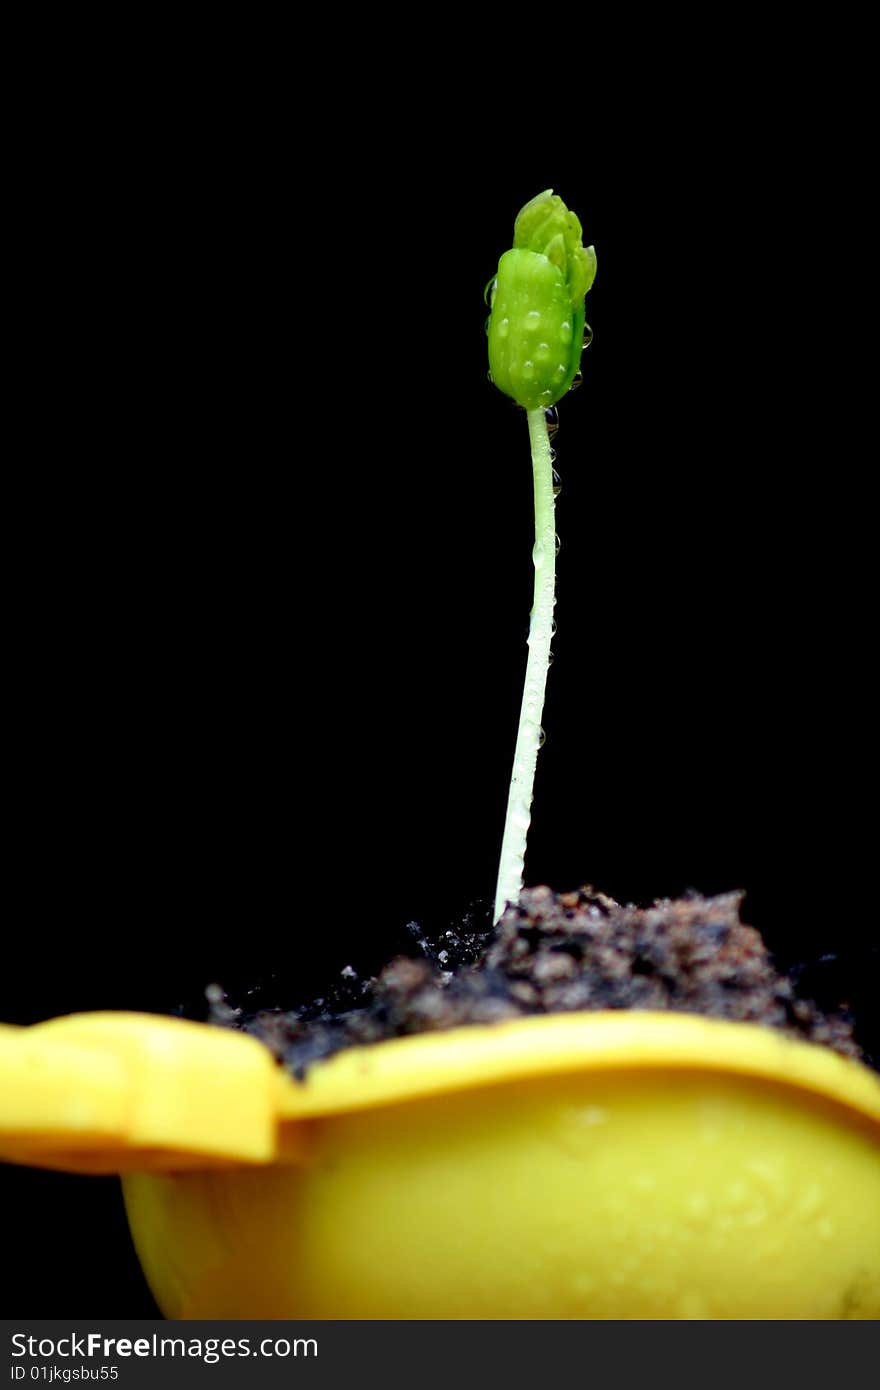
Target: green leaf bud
[(536, 327)]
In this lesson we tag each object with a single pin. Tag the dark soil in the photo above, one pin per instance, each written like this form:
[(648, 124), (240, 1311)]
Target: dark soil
[(553, 953)]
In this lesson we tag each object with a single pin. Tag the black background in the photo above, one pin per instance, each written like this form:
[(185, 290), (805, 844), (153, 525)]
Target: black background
[(270, 614)]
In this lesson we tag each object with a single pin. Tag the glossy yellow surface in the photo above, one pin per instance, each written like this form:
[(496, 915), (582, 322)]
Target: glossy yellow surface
[(112, 1092), (626, 1165)]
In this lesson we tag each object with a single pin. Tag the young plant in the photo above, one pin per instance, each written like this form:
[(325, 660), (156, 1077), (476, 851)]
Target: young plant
[(536, 336)]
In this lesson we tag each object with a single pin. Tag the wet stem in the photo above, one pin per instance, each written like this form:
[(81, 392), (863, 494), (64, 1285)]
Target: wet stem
[(528, 738)]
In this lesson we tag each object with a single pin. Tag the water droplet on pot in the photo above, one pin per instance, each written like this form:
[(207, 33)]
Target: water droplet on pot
[(699, 1209)]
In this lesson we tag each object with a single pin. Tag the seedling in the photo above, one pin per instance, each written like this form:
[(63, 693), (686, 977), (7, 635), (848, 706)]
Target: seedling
[(536, 336)]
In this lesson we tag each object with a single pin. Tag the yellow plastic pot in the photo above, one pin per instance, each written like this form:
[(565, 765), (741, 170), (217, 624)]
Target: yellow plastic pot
[(618, 1165)]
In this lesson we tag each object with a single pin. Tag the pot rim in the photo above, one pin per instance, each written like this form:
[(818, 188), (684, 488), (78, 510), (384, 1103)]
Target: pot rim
[(117, 1092), (465, 1058)]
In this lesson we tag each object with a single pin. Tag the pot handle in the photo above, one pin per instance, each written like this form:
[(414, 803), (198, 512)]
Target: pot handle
[(125, 1092)]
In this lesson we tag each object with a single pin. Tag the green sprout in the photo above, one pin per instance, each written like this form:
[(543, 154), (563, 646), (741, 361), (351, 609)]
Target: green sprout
[(536, 336)]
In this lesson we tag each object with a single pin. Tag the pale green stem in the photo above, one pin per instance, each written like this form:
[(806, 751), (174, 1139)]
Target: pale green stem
[(528, 738)]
